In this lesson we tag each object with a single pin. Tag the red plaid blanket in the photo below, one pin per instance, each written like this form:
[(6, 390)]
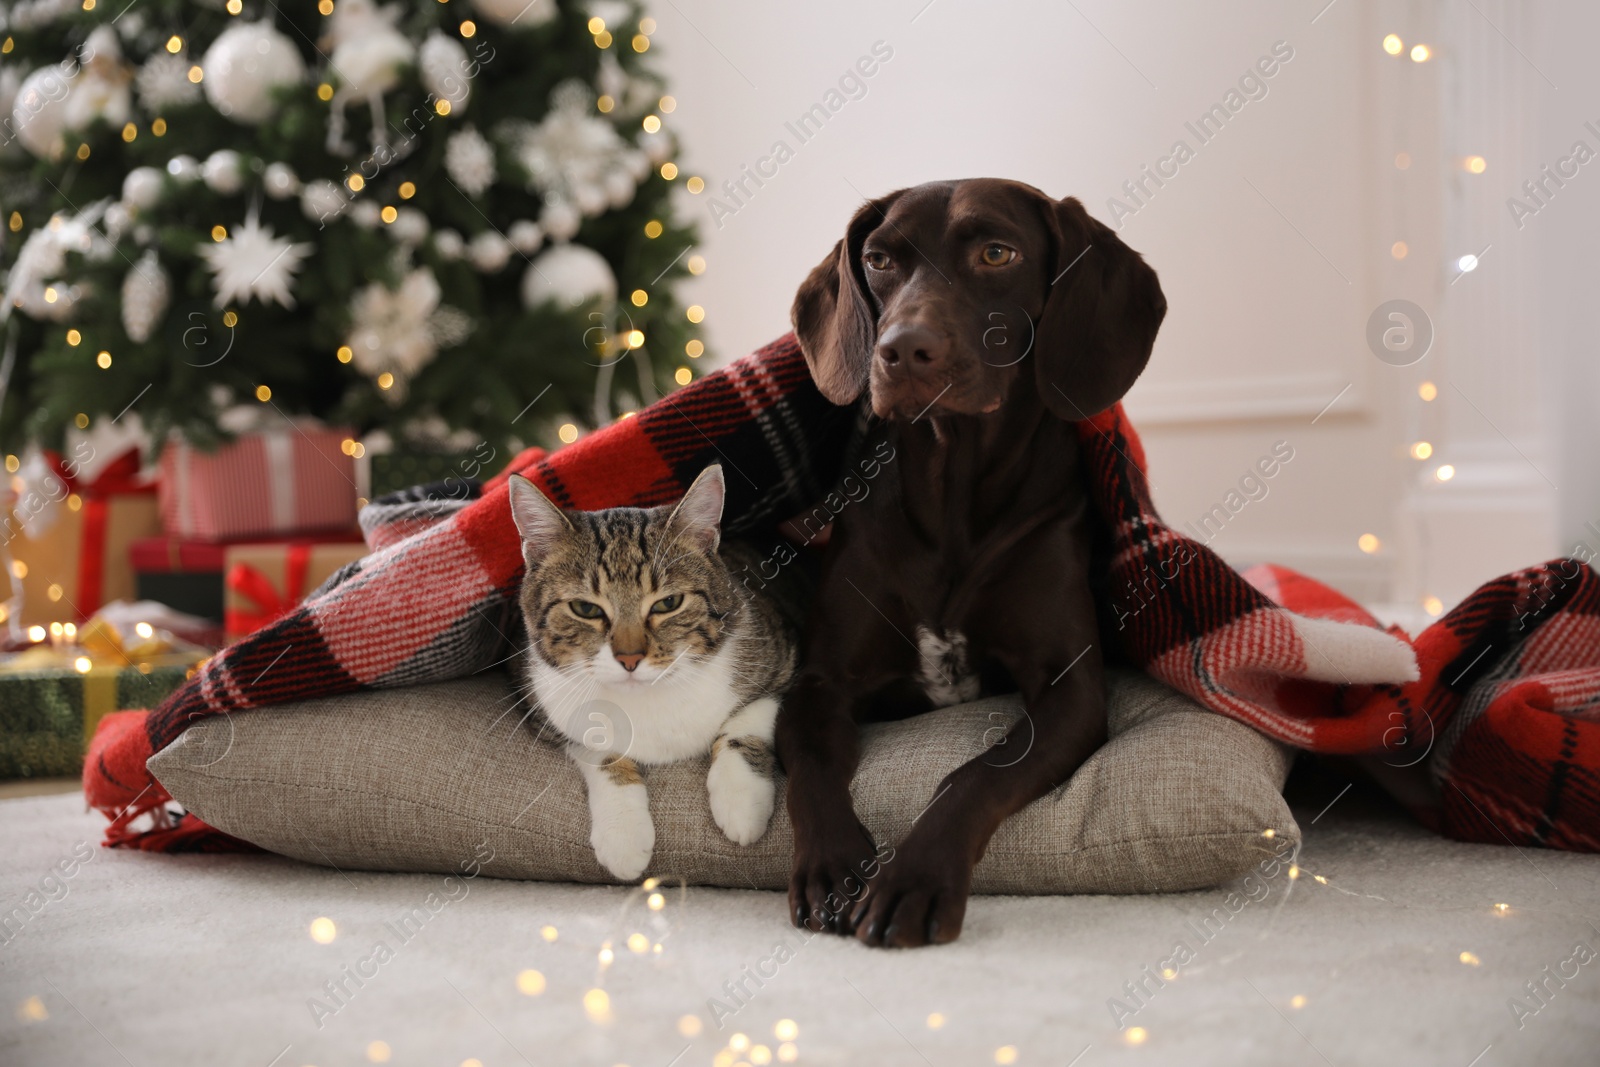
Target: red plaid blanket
[(1496, 707)]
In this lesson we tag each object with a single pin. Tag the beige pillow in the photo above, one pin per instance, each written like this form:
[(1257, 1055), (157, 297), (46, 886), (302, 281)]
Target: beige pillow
[(417, 779)]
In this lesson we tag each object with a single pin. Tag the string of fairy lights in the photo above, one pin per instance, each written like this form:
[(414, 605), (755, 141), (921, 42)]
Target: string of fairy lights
[(1420, 449)]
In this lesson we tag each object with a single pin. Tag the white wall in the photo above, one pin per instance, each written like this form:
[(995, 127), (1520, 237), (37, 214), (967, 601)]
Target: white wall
[(1272, 242)]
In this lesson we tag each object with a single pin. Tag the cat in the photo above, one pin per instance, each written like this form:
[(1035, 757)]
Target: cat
[(644, 650)]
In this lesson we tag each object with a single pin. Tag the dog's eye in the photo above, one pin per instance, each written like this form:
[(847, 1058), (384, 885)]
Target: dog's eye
[(586, 609), (997, 255), (666, 604), (876, 260)]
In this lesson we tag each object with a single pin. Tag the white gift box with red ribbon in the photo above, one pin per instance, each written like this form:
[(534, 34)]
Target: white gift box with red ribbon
[(291, 477)]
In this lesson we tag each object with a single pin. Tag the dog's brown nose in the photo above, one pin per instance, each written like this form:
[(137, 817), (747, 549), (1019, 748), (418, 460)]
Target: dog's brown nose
[(629, 660), (912, 345)]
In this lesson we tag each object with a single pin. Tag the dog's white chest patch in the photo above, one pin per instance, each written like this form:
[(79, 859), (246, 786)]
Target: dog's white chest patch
[(944, 667)]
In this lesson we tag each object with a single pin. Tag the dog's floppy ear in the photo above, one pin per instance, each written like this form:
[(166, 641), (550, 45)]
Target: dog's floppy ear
[(833, 315), (1100, 318)]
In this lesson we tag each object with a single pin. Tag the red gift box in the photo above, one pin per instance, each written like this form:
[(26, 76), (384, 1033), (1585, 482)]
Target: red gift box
[(264, 582), (287, 479)]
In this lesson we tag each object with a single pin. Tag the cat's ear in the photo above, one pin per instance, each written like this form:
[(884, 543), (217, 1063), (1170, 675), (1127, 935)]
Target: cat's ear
[(699, 513), (540, 522)]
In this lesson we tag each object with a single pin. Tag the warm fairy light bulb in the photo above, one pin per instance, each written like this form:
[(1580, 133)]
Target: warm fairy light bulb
[(36, 633), (689, 1025), (1433, 606), (1467, 263), (144, 630), (683, 375), (651, 123), (379, 1051), (1005, 1054), (1422, 450), (739, 1042), (638, 943), (568, 433), (1297, 1001), (1475, 164), (549, 933), (606, 955), (1294, 872), (530, 983), (1136, 1035), (696, 313), (174, 44), (1368, 543), (653, 229), (1393, 45), (656, 902), (1469, 959), (1428, 391), (694, 349), (640, 298), (788, 1029), (695, 184), (1501, 909), (1445, 472), (1399, 250), (597, 1003), (82, 664), (323, 931), (1421, 53), (385, 380), (669, 171)]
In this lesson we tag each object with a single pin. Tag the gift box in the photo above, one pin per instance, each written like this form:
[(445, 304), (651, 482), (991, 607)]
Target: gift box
[(52, 696), (264, 582), (187, 575), (80, 561), (291, 478)]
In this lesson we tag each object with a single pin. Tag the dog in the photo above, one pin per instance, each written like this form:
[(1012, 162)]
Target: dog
[(983, 319)]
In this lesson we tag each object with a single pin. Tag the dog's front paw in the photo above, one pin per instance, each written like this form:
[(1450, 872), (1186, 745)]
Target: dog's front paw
[(919, 899), (741, 799), (830, 874), (623, 835)]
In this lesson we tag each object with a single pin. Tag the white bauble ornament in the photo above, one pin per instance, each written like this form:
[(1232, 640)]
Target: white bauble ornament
[(364, 213), (469, 161), (619, 188), (146, 292), (141, 189), (184, 168), (244, 65), (525, 236), (410, 226), (223, 171), (443, 65), (39, 114), (590, 199), (560, 220), (322, 201), (489, 252), (523, 14), (568, 275), (163, 82), (449, 244), (279, 181)]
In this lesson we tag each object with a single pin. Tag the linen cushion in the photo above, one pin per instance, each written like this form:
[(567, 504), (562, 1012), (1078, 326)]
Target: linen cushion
[(415, 779)]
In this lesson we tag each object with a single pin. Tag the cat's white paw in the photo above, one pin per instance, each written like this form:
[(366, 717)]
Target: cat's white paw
[(741, 799), (623, 835)]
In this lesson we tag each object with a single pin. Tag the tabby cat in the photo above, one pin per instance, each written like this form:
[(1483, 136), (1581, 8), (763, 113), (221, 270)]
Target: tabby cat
[(644, 649)]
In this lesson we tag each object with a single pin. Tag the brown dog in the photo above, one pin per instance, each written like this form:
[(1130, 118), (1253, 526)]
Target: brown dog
[(984, 318)]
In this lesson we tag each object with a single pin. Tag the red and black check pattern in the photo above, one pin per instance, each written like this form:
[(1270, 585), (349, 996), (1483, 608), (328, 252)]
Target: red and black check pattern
[(1500, 699)]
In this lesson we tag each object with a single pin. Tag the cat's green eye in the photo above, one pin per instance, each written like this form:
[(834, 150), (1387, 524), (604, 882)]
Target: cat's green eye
[(586, 609), (666, 604)]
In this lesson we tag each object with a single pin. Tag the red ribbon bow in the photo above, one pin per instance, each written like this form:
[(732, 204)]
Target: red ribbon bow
[(256, 587)]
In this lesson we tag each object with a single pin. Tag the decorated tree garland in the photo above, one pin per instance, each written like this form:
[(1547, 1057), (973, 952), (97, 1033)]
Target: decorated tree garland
[(408, 217)]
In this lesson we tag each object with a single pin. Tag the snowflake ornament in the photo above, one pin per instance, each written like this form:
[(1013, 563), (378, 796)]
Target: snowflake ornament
[(254, 263), (163, 83), (400, 331), (571, 153)]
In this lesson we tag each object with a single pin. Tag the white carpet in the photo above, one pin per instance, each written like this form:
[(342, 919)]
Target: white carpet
[(159, 961)]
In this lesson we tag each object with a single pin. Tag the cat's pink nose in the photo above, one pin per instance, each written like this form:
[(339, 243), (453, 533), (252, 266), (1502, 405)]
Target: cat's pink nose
[(629, 660)]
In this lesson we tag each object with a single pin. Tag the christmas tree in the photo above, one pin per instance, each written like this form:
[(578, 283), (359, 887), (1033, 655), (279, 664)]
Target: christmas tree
[(437, 218)]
